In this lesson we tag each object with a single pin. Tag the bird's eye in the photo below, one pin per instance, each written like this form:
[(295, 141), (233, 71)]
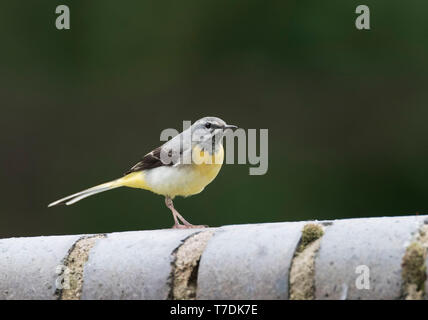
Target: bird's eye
[(207, 125)]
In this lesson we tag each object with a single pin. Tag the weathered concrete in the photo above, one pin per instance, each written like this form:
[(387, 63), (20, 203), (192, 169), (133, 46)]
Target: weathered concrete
[(29, 267), (132, 265), (302, 271), (261, 261), (75, 262), (378, 243), (414, 266), (186, 265), (248, 262)]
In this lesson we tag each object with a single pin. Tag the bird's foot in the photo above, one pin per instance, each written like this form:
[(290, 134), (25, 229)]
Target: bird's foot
[(188, 226)]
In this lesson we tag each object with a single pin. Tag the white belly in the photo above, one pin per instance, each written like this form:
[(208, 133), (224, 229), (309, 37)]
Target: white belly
[(183, 180)]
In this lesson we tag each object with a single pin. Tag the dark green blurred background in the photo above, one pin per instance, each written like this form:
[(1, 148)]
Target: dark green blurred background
[(346, 109)]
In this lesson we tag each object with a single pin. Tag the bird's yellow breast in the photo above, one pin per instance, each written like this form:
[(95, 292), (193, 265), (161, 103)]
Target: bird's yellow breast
[(208, 164), (204, 169)]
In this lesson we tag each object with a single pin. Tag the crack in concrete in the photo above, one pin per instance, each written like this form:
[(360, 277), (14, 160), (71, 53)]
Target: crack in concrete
[(302, 271), (74, 263), (185, 266)]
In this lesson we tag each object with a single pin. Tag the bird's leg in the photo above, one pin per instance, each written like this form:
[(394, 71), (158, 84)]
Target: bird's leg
[(175, 214), (170, 205)]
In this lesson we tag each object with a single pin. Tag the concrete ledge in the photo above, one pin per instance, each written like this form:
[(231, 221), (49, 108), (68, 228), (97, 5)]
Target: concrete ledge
[(248, 262), (350, 247), (30, 267), (132, 265), (371, 258)]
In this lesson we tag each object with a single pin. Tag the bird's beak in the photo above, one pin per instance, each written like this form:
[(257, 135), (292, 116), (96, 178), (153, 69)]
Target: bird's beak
[(229, 126)]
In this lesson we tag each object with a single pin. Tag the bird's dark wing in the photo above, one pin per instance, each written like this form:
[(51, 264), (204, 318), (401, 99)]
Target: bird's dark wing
[(151, 160), (172, 151)]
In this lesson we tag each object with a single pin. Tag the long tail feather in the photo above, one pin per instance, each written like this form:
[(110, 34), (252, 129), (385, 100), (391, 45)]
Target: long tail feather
[(84, 194), (133, 180)]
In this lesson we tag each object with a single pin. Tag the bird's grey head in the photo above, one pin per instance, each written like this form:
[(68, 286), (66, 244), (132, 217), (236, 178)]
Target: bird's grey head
[(209, 131)]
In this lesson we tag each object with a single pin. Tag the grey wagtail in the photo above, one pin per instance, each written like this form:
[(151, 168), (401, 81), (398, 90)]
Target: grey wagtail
[(183, 166)]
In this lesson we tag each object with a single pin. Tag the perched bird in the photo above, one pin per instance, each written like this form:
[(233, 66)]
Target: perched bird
[(183, 166)]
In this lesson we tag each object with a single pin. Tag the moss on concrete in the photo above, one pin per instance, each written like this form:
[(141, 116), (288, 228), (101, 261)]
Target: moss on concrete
[(186, 265), (414, 267), (302, 272), (75, 262), (310, 233)]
